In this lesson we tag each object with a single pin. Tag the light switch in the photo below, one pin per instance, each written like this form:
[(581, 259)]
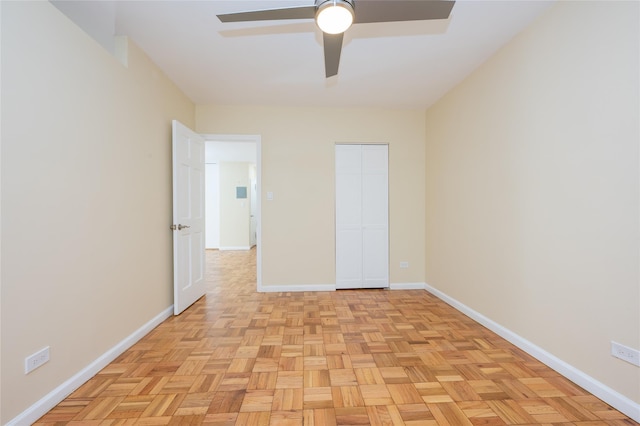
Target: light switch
[(269, 196)]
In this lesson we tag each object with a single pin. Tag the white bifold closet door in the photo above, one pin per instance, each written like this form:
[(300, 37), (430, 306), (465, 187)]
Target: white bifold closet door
[(362, 216)]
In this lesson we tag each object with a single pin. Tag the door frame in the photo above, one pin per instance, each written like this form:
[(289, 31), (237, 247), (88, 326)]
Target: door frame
[(257, 139)]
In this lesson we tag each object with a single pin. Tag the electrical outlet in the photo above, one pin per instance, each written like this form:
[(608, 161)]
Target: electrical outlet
[(625, 353), (36, 360), (404, 265)]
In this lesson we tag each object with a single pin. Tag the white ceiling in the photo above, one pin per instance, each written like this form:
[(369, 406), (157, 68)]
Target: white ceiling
[(401, 64)]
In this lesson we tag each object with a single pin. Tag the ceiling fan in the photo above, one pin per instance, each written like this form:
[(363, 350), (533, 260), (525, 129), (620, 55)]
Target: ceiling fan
[(334, 17)]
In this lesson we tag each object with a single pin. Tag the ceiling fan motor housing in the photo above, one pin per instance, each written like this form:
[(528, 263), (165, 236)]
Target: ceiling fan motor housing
[(334, 16)]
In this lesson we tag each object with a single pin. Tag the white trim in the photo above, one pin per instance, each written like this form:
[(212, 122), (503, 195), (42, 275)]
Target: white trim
[(214, 137), (257, 139), (407, 286), (231, 248), (597, 388), (53, 398), (296, 288)]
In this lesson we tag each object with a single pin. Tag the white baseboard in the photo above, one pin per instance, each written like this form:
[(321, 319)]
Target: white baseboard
[(53, 398), (406, 286), (296, 288), (615, 399), (230, 248), (331, 287)]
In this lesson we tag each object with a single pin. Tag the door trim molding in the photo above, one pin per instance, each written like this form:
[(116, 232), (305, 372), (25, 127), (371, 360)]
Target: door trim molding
[(257, 139)]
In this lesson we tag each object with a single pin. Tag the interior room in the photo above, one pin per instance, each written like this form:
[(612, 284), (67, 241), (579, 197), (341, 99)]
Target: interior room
[(513, 172)]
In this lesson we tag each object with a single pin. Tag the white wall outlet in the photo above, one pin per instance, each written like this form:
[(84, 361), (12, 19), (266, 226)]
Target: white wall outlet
[(36, 360), (404, 265), (625, 353)]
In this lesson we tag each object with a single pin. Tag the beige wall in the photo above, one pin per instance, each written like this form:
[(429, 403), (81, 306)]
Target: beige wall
[(532, 188), (86, 197), (298, 232), (234, 212)]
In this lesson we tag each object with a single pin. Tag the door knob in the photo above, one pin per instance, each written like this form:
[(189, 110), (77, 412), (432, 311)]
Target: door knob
[(179, 227)]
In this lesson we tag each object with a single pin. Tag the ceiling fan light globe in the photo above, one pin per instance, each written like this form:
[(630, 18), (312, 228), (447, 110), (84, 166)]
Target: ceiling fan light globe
[(334, 17)]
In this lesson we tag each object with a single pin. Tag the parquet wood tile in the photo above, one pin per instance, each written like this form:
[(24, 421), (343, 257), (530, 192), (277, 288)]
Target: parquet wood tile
[(352, 357)]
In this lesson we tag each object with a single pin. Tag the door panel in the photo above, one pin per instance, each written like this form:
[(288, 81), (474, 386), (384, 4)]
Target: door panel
[(349, 250), (375, 216), (374, 200), (348, 216), (349, 159), (184, 204), (348, 199), (375, 257), (375, 159), (188, 217)]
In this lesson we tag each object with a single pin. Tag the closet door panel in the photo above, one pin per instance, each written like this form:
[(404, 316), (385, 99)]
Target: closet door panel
[(348, 200), (348, 216), (349, 259), (375, 216), (375, 258), (374, 200), (362, 216)]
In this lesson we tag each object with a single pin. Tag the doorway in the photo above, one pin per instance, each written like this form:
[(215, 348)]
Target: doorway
[(232, 191)]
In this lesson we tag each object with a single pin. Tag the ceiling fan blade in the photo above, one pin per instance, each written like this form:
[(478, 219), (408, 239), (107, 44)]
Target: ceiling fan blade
[(332, 50), (401, 10), (301, 12)]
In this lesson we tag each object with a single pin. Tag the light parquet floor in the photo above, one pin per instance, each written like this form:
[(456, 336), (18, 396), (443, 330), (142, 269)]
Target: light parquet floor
[(365, 357)]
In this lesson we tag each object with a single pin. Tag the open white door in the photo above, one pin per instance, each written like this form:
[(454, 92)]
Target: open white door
[(188, 217)]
